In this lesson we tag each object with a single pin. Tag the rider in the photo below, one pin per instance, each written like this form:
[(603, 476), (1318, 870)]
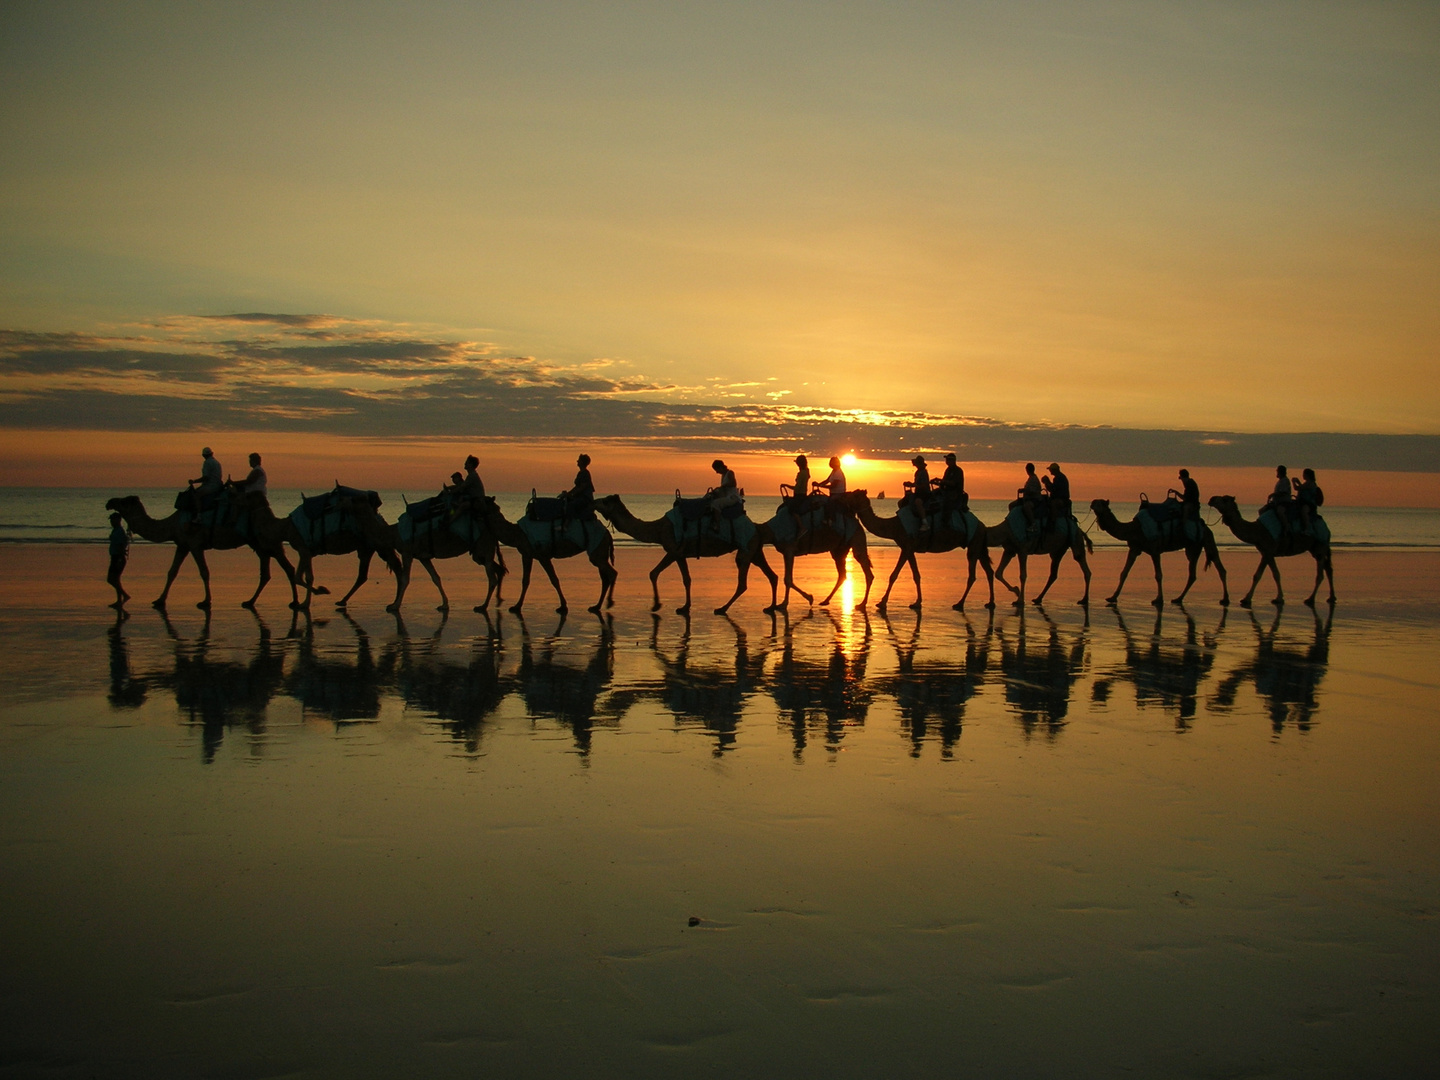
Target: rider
[(1029, 495), (1057, 491), (1189, 496), (581, 495), (919, 490), (256, 479), (800, 490), (1280, 498), (952, 485), (210, 479), (1308, 497), (727, 494)]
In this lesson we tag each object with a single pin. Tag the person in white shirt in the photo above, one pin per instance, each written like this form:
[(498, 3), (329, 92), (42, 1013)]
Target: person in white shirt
[(256, 480)]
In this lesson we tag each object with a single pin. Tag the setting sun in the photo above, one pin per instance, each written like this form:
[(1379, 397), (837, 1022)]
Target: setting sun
[(848, 460)]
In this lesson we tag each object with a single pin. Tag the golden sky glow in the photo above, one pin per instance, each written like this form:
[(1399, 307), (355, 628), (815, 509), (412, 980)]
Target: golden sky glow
[(1204, 217)]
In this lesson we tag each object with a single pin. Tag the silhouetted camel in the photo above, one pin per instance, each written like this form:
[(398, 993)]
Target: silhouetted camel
[(468, 534), (264, 533), (939, 538), (1259, 537), (827, 536), (1054, 541), (708, 545), (601, 556), (358, 527), (1133, 534)]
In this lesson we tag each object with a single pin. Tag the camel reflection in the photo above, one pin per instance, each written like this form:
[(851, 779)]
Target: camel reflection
[(1286, 676), (825, 697), (1165, 674), (554, 690), (462, 697), (343, 686), (1038, 677), (701, 690), (214, 693), (931, 694)]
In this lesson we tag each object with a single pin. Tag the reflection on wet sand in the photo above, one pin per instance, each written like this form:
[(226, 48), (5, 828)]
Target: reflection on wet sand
[(1286, 676), (1040, 669), (932, 693), (1165, 673), (817, 670)]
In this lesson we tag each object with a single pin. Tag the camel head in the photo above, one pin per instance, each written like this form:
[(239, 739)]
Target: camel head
[(854, 500), (1221, 502), (610, 505), (1097, 505), (124, 503)]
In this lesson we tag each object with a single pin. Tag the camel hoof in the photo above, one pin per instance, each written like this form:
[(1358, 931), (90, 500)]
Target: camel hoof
[(1245, 603), (1310, 602), (1224, 601), (1159, 602), (721, 610), (248, 605), (1084, 601), (1179, 601), (594, 609), (515, 610), (481, 608), (341, 605), (915, 606), (203, 605), (563, 609), (1040, 600), (959, 605), (1279, 601), (1331, 601), (1112, 601), (392, 608), (683, 610), (320, 590), (443, 607), (158, 605), (990, 606), (656, 606)]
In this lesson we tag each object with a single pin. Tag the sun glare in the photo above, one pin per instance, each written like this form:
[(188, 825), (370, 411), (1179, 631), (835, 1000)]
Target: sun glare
[(848, 460)]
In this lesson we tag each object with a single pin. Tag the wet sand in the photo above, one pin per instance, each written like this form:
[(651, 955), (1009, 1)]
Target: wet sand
[(1198, 843)]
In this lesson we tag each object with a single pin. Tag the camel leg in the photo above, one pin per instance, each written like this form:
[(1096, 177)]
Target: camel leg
[(839, 558), (1159, 600), (790, 580), (1213, 554), (1193, 557), (900, 562), (770, 575), (862, 556), (1279, 600), (655, 578), (789, 557), (608, 574), (1022, 559), (180, 553), (1079, 553), (429, 565), (492, 583), (684, 565), (959, 605), (1330, 574), (264, 580), (915, 573), (204, 568), (527, 562), (1005, 558), (1054, 573), (548, 565), (402, 582), (290, 575), (1130, 558), (1322, 570), (361, 574), (742, 577)]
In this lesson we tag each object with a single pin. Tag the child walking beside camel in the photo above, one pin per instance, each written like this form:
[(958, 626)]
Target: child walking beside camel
[(119, 555)]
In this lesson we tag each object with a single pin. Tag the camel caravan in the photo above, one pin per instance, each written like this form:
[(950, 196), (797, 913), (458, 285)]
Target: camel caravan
[(821, 517)]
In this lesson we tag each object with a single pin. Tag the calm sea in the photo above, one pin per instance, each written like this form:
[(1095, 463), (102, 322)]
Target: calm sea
[(77, 515)]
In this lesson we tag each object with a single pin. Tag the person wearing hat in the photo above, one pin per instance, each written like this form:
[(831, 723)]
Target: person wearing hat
[(952, 485), (211, 479), (919, 489)]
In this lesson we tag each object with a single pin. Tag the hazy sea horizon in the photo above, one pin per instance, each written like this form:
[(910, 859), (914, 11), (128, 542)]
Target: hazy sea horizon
[(77, 515)]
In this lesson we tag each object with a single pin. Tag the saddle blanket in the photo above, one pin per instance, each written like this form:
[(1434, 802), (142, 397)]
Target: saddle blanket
[(956, 521), (1318, 529), (1066, 527), (1159, 521), (737, 531), (585, 533), (786, 525)]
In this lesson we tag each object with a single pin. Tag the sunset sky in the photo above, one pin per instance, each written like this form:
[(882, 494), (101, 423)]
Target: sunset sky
[(1127, 234)]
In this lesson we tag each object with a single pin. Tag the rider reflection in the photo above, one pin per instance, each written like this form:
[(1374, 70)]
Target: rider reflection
[(934, 692), (1038, 680), (1165, 674), (1286, 677)]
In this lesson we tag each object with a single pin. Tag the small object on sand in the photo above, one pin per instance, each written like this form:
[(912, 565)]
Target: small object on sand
[(694, 920)]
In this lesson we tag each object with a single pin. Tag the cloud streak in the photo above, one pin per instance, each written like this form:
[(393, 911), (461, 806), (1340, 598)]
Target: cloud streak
[(323, 374)]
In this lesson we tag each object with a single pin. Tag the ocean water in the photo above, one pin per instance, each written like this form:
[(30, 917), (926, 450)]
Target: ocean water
[(77, 515), (1044, 843)]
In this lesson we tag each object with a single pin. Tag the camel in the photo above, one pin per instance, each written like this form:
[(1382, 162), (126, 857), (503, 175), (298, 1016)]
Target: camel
[(512, 534), (826, 535), (1054, 541), (939, 538), (1133, 534), (708, 545), (264, 533), (351, 533), (1258, 536), (469, 534)]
